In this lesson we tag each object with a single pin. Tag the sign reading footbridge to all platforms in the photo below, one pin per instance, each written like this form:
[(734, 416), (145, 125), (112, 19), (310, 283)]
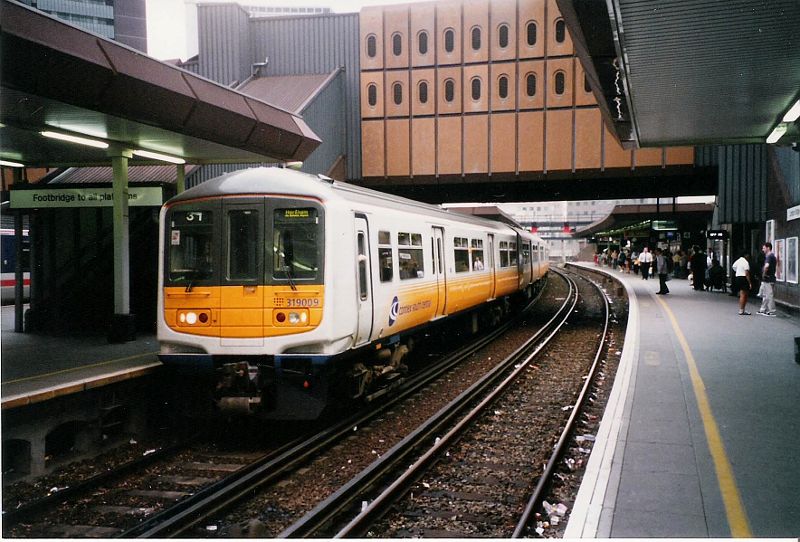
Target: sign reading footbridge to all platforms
[(84, 197)]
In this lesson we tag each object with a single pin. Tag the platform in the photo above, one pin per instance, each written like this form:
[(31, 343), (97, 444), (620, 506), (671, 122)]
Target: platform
[(38, 367), (702, 431)]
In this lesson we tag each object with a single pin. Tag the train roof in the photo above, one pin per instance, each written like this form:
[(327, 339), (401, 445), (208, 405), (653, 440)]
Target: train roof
[(273, 180)]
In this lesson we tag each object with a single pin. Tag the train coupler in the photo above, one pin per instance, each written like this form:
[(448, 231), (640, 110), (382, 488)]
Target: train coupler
[(239, 389)]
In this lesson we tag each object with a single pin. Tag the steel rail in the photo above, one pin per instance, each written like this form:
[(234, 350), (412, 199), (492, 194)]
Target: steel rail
[(323, 513), (177, 520), (544, 480)]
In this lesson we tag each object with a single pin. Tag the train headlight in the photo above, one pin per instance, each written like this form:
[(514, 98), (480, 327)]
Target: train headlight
[(194, 317), (294, 318)]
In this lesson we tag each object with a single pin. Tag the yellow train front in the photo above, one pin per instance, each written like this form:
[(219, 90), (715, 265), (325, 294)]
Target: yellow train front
[(288, 292)]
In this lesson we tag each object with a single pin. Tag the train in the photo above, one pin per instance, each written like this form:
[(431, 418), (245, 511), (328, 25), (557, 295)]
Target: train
[(287, 292), (8, 261)]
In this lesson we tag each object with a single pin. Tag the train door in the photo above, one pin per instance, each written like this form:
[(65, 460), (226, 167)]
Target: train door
[(491, 265), (364, 276), (439, 269), (242, 272)]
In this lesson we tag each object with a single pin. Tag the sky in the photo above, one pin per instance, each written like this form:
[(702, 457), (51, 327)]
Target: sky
[(168, 25)]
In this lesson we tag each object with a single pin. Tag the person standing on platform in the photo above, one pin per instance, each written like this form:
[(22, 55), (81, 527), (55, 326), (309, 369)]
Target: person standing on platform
[(768, 281), (698, 263), (645, 259), (662, 270), (743, 281)]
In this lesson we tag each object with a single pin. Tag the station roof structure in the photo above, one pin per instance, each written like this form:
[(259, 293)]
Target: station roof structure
[(631, 218), (690, 72), (58, 78)]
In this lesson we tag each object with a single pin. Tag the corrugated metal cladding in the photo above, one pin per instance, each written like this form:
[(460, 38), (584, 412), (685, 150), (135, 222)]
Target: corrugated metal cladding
[(326, 116), (211, 171), (136, 174), (224, 43), (742, 183), (317, 44), (706, 155), (787, 162)]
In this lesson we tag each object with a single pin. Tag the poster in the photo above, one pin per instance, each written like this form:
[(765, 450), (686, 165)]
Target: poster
[(770, 233), (780, 254), (791, 260)]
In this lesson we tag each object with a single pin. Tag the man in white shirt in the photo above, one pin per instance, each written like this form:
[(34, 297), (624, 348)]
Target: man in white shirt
[(742, 269)]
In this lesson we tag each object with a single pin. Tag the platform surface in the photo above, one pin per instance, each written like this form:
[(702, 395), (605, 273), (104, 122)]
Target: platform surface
[(38, 367), (701, 437)]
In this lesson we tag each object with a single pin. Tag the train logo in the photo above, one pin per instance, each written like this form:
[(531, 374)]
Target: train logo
[(394, 311)]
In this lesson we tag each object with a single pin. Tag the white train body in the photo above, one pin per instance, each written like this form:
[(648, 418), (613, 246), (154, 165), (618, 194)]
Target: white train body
[(292, 274)]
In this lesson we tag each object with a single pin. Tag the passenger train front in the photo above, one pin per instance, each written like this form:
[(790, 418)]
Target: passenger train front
[(290, 291)]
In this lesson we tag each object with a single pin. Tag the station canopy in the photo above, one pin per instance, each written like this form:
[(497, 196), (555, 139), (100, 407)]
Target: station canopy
[(57, 78), (639, 220), (690, 72)]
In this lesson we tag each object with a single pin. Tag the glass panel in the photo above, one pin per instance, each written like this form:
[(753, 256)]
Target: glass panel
[(531, 33), (423, 92), (397, 44), (411, 264), (372, 95), (561, 31), (295, 244), (386, 263), (362, 267), (502, 36), (560, 83), (476, 38), (372, 49), (449, 90), (190, 252), (461, 258), (530, 83), (449, 40), (423, 43), (476, 89), (398, 93), (243, 242), (416, 239), (384, 238), (502, 87)]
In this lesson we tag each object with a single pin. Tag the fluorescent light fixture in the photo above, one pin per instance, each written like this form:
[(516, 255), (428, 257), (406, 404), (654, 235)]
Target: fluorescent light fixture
[(157, 156), (793, 113), (777, 133), (293, 165), (75, 139), (11, 164)]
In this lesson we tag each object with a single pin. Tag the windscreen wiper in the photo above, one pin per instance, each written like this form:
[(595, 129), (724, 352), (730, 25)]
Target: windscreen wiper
[(288, 270)]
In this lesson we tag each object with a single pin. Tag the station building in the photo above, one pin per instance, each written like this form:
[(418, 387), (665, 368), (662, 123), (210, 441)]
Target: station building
[(458, 101)]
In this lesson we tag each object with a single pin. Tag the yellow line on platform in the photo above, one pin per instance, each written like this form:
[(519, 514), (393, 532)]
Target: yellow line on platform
[(734, 509), (73, 369)]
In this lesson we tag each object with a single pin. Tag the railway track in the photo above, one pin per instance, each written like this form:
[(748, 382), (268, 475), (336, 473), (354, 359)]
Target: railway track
[(193, 488), (473, 478)]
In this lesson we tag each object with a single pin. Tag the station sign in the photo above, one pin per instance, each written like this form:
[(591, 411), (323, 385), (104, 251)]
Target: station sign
[(138, 196), (717, 234), (793, 213)]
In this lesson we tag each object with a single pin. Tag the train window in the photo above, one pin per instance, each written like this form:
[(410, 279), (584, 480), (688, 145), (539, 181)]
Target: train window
[(295, 243), (397, 44), (502, 87), (449, 40), (526, 253), (422, 42), (502, 36), (363, 289), (191, 239), (476, 38), (477, 254), (561, 31), (385, 256), (372, 46), (461, 254), (560, 82), (531, 33), (409, 253), (243, 243), (503, 253), (512, 252)]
